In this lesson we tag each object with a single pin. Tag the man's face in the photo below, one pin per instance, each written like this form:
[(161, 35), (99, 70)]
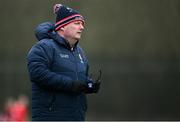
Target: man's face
[(73, 30)]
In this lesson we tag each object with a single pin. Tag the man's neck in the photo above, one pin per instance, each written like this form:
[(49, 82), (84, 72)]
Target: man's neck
[(69, 41)]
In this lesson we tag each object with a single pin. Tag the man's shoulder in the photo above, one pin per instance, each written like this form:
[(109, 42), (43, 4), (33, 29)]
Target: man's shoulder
[(46, 41), (42, 44)]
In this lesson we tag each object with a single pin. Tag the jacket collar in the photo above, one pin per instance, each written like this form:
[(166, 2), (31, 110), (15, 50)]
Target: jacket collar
[(58, 38)]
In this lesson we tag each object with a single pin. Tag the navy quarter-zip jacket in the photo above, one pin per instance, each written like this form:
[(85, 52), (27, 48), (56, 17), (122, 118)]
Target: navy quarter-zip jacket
[(53, 66)]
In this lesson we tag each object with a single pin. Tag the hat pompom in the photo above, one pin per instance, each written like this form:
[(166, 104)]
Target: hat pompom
[(56, 8)]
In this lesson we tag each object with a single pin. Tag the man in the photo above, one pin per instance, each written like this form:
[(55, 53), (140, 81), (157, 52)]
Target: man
[(58, 69)]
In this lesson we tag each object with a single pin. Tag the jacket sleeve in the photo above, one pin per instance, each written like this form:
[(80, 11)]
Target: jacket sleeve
[(39, 60)]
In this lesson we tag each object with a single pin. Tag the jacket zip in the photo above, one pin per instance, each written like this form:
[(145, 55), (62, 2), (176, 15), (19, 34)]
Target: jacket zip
[(52, 101), (75, 62)]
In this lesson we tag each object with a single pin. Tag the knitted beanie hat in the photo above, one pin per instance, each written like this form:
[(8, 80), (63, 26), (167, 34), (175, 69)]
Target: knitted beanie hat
[(65, 15)]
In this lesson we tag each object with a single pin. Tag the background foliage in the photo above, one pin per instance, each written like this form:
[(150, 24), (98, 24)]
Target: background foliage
[(134, 42)]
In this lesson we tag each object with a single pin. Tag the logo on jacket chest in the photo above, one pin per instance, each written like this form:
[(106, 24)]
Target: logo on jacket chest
[(64, 55)]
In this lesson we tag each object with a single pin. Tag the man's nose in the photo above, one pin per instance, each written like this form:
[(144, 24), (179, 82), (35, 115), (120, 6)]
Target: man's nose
[(82, 26)]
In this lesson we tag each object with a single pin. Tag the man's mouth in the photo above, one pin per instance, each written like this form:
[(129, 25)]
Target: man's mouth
[(79, 32)]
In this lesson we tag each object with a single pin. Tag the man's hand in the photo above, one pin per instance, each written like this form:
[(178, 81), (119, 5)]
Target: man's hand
[(92, 87), (97, 83), (78, 86), (96, 87), (88, 87)]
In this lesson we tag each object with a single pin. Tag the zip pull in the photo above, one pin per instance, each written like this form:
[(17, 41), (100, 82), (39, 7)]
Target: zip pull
[(72, 48)]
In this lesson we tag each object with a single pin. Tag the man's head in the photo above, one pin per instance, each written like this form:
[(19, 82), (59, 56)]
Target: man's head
[(69, 23)]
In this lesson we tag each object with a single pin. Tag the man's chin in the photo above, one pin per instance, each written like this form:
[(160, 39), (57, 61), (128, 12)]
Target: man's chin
[(78, 38)]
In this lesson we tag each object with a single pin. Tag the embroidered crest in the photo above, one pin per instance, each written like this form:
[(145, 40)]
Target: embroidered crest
[(81, 59)]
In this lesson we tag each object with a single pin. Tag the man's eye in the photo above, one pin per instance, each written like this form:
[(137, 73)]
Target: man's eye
[(76, 23)]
